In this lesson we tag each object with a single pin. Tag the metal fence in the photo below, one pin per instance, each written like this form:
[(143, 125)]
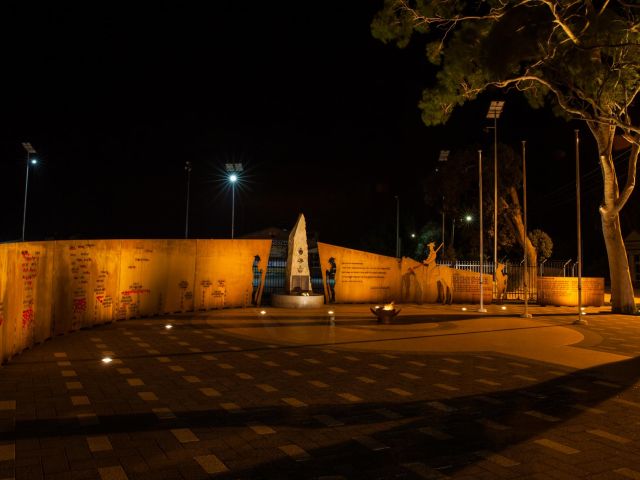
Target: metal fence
[(516, 275), (275, 277)]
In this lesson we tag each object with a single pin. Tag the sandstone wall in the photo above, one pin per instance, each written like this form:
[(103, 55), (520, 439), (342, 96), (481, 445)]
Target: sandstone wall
[(51, 288)]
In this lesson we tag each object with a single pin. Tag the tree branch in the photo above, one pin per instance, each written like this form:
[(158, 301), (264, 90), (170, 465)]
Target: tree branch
[(631, 177)]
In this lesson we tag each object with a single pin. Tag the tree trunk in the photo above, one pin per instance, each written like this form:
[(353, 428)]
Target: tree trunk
[(515, 215), (622, 297), (622, 300)]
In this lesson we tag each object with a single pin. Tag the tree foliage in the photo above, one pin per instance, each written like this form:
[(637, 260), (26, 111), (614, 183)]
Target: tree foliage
[(580, 54), (542, 243), (453, 187), (581, 57)]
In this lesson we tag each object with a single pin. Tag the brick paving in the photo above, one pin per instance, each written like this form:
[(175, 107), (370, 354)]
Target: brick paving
[(199, 401)]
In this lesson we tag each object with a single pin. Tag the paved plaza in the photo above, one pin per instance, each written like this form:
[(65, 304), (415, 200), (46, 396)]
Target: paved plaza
[(441, 393)]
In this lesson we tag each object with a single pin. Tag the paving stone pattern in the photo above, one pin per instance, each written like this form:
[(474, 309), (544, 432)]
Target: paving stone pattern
[(196, 402)]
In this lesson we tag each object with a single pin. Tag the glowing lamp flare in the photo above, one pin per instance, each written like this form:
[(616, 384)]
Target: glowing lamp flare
[(168, 326), (330, 312), (107, 360), (263, 312)]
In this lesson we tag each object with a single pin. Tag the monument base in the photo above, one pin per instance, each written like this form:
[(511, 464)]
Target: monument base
[(314, 300)]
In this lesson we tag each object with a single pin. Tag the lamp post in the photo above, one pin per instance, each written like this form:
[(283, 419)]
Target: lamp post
[(397, 226), (495, 110), (467, 218), (444, 156), (526, 313), (187, 167), (581, 320), (233, 169), (30, 161), (481, 309)]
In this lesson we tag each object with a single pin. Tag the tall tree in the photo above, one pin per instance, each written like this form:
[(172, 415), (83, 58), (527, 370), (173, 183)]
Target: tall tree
[(454, 186), (580, 56)]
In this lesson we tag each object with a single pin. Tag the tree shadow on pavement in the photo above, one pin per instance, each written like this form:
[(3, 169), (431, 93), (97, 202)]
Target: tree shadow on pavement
[(435, 434)]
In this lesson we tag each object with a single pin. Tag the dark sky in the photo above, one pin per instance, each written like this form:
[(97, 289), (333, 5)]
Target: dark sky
[(116, 96)]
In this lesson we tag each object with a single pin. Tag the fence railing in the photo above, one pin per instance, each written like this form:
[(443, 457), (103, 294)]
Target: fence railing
[(516, 274), (275, 276)]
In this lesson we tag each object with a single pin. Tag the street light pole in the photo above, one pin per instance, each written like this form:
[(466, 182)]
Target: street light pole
[(233, 169), (495, 110), (397, 226), (526, 313), (581, 320), (481, 309), (187, 167), (233, 204), (29, 149), (444, 156), (495, 198), (443, 248)]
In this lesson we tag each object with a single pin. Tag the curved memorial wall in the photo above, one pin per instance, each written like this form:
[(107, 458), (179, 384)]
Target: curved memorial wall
[(51, 288)]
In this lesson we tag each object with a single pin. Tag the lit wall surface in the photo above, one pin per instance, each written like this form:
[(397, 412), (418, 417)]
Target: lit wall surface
[(564, 291), (354, 276), (51, 288)]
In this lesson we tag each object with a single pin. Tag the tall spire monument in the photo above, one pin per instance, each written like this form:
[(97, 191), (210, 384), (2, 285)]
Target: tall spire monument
[(298, 289), (298, 276)]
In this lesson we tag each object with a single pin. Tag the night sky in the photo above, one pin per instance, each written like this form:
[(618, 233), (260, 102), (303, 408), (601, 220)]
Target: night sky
[(116, 96)]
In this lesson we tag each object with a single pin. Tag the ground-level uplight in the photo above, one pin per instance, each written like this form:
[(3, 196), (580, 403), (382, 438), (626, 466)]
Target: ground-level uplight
[(464, 309), (168, 326), (107, 360), (263, 312), (503, 308)]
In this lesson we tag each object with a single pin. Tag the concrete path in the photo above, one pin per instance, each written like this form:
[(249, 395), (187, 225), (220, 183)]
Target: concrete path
[(429, 329), (444, 393)]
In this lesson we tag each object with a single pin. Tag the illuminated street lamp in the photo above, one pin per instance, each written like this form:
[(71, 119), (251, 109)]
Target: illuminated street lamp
[(495, 109), (30, 161), (467, 218), (233, 169)]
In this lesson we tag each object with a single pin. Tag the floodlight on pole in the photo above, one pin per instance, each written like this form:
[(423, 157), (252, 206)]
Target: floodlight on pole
[(495, 110), (233, 169), (30, 161), (444, 155), (481, 309)]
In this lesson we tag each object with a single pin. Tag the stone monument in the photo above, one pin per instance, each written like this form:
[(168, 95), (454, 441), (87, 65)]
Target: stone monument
[(298, 280), (298, 289)]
